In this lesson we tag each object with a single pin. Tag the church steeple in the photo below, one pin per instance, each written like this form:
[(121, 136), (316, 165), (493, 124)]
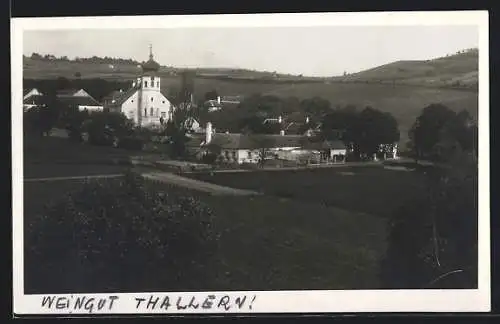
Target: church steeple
[(151, 65)]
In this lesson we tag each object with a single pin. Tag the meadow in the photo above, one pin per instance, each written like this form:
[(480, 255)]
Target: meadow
[(372, 190), (265, 244)]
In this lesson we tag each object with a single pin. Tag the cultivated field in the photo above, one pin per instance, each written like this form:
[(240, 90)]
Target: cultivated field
[(372, 190)]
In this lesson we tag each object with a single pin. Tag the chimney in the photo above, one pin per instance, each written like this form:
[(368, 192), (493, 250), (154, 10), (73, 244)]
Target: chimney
[(280, 119), (208, 133), (307, 120), (218, 100), (282, 132)]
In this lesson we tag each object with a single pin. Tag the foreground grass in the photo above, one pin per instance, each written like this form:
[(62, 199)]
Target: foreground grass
[(266, 244), (372, 190)]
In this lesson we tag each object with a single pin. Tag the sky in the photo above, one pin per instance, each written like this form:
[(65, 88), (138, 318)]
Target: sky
[(311, 51)]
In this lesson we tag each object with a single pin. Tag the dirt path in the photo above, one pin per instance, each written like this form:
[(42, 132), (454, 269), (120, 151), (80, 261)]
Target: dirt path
[(211, 188)]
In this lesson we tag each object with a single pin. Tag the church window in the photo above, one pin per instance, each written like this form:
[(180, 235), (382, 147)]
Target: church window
[(163, 101), (152, 81), (163, 114), (145, 84), (145, 112), (132, 100), (157, 84), (151, 112), (151, 99)]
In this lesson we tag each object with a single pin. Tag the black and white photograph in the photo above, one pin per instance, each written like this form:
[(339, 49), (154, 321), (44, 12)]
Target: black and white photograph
[(251, 163)]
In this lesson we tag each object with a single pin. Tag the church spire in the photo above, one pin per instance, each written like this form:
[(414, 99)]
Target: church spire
[(150, 51)]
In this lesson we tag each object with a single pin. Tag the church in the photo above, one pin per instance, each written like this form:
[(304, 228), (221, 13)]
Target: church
[(144, 102)]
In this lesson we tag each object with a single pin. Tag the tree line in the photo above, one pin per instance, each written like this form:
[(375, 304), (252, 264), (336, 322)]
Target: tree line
[(94, 59)]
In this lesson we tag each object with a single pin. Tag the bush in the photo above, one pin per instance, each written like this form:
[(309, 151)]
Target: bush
[(121, 234), (131, 143)]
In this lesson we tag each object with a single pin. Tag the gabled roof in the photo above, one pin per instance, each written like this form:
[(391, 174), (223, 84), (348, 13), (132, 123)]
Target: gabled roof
[(79, 101), (255, 141), (66, 92), (120, 96), (33, 100)]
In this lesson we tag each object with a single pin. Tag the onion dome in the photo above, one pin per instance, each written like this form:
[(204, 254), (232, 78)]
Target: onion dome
[(151, 65)]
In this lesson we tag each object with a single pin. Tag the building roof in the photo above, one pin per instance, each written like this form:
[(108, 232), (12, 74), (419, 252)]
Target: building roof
[(255, 141), (66, 92), (79, 101), (325, 145), (120, 97), (33, 100)]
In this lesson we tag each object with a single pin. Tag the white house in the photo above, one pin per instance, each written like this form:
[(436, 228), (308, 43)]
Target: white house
[(78, 98), (144, 102), (32, 98)]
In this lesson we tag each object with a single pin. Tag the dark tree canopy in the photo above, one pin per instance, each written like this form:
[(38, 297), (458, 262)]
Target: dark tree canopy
[(427, 130)]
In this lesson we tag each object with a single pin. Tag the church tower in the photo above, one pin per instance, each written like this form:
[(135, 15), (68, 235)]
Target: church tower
[(149, 83)]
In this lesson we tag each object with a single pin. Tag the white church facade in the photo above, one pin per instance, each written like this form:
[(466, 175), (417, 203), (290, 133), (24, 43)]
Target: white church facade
[(143, 103)]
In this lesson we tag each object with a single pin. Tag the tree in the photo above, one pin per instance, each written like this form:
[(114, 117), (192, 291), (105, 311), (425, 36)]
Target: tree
[(211, 95), (427, 130), (373, 129), (105, 128), (41, 119), (433, 239), (315, 106), (264, 144), (177, 139)]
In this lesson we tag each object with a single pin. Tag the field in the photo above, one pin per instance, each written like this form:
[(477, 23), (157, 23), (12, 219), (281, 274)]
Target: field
[(371, 190), (266, 244)]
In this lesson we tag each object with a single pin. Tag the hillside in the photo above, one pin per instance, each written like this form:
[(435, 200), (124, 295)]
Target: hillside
[(402, 88), (458, 70)]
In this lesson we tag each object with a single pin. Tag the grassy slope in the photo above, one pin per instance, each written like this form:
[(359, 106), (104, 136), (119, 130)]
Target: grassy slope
[(403, 102), (266, 244), (444, 70)]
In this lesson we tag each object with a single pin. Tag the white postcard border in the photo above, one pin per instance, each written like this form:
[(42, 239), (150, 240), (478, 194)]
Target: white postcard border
[(265, 301)]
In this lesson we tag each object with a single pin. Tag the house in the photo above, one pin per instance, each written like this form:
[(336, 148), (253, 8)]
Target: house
[(32, 98), (244, 148), (143, 103), (192, 125), (80, 99)]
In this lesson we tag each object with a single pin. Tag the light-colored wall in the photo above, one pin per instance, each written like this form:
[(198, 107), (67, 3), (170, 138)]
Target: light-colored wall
[(337, 152), (160, 104), (91, 108)]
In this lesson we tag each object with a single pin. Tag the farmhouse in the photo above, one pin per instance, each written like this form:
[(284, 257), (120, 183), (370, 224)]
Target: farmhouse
[(79, 99), (144, 103), (32, 98), (243, 148)]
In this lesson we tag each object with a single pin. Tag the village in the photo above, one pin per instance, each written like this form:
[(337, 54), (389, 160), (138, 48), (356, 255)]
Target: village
[(242, 189), (294, 142)]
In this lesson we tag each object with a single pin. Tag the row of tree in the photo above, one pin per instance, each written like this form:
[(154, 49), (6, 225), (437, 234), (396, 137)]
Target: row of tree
[(93, 59)]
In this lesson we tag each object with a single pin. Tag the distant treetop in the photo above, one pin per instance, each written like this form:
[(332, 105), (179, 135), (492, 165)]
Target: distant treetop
[(93, 59)]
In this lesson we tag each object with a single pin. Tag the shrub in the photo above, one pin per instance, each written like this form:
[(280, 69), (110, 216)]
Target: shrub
[(131, 143), (121, 234)]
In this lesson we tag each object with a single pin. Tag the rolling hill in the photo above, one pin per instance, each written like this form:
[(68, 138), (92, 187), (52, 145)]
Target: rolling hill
[(402, 88)]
